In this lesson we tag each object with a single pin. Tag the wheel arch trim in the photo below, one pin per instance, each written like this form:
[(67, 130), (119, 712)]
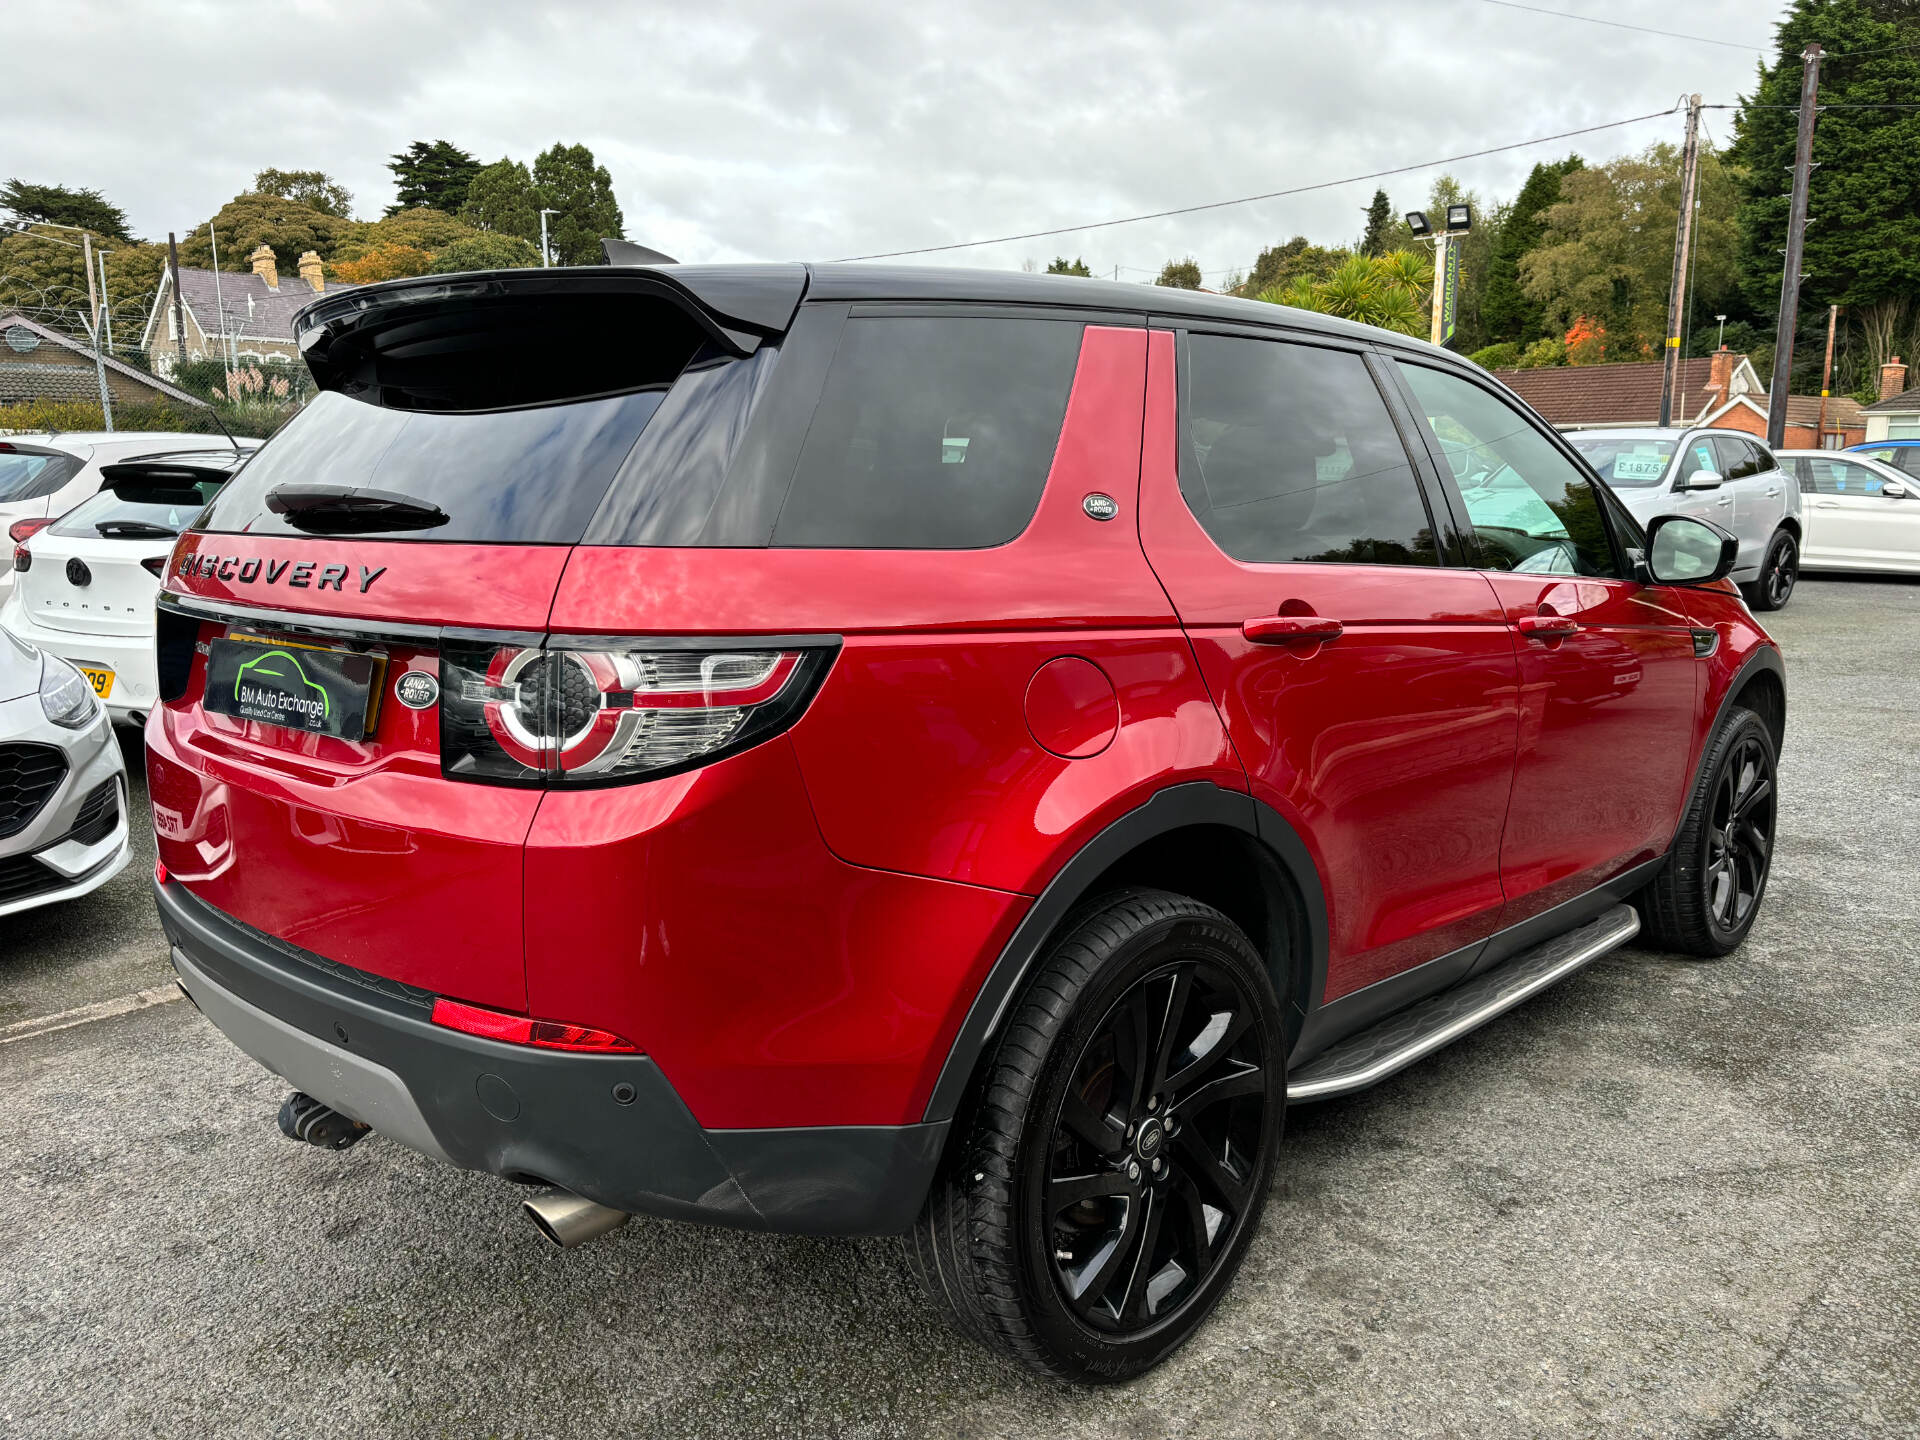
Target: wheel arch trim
[(1179, 807), (1765, 659)]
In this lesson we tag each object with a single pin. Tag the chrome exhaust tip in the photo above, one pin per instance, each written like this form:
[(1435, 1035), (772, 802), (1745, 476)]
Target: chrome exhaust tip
[(569, 1220)]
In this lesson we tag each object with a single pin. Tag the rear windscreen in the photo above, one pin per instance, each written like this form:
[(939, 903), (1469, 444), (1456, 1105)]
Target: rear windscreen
[(145, 518), (530, 476)]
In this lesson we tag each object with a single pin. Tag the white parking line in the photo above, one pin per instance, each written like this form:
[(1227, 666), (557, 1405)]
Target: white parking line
[(87, 1014)]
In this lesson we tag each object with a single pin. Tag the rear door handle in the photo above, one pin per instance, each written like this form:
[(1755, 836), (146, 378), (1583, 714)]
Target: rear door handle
[(1290, 629), (1724, 500), (1547, 627)]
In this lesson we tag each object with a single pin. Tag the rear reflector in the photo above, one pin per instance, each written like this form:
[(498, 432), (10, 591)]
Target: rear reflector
[(519, 1030), (21, 529), (160, 872), (22, 558)]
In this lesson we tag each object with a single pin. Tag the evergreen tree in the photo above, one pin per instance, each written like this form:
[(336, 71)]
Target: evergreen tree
[(1379, 225), (1506, 312), (566, 179), (57, 205), (1863, 239), (433, 174), (1180, 274), (1063, 266), (313, 188), (502, 201)]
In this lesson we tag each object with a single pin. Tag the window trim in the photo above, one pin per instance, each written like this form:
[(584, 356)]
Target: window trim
[(1625, 571), (1184, 328)]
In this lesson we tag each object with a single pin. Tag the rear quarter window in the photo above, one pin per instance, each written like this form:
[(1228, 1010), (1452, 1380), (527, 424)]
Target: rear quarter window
[(34, 474), (931, 433)]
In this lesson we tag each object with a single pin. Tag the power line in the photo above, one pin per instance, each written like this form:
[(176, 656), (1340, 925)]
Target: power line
[(1622, 25), (1269, 195)]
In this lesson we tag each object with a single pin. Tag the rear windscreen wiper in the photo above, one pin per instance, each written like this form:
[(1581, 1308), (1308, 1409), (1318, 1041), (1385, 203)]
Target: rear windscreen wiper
[(346, 509), (135, 530)]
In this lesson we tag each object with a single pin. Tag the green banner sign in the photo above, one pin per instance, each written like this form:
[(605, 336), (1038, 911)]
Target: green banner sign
[(1450, 294)]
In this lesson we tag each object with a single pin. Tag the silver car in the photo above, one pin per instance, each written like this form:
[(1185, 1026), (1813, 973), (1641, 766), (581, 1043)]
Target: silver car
[(1726, 476), (63, 785)]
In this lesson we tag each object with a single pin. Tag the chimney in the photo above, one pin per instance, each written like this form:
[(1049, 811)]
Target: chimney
[(1893, 378), (1720, 376), (263, 266), (312, 273)]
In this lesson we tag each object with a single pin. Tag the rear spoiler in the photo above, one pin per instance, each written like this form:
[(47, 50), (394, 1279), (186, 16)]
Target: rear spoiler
[(739, 307), (189, 481)]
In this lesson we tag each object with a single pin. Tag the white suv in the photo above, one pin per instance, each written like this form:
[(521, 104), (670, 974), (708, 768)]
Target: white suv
[(1726, 476)]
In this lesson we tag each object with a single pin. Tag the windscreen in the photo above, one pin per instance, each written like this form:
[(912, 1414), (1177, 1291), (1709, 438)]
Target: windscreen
[(1625, 463), (164, 514), (34, 474), (532, 476)]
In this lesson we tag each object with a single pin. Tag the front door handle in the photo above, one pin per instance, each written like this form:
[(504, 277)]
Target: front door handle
[(1724, 500), (1547, 627), (1290, 629)]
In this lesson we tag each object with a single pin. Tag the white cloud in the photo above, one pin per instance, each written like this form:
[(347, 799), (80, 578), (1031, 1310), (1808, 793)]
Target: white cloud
[(768, 131)]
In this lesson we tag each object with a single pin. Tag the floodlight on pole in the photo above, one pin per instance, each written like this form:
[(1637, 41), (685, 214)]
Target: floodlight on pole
[(1459, 219), (546, 259), (1417, 223)]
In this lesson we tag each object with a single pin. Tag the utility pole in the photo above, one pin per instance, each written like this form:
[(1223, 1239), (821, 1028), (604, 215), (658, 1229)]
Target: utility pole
[(179, 310), (93, 292), (545, 258), (1796, 247), (93, 331), (1682, 251), (106, 305), (1826, 379)]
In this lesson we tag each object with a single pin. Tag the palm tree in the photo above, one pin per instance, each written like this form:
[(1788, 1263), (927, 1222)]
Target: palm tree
[(1391, 291)]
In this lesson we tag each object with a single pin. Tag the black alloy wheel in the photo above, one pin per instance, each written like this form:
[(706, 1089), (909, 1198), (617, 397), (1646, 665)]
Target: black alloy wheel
[(1109, 1168), (1778, 575), (1740, 837), (1157, 1140)]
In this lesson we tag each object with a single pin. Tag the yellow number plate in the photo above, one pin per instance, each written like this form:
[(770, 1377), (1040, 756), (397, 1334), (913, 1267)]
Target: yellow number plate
[(100, 679)]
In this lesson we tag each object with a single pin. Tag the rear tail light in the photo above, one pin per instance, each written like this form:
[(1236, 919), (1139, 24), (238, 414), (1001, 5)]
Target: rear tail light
[(585, 716), (155, 565), (21, 529), (22, 558), (519, 1030)]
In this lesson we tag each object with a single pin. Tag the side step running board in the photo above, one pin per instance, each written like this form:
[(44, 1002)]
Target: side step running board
[(1419, 1030)]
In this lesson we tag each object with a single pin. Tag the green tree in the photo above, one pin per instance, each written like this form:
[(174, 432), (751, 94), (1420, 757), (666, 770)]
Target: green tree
[(1180, 274), (1379, 225), (313, 188), (1506, 311), (43, 275), (1391, 291), (1608, 251), (1863, 247), (423, 229), (567, 180), (58, 205), (485, 252), (1063, 266), (286, 227), (502, 201), (434, 174), (1278, 265)]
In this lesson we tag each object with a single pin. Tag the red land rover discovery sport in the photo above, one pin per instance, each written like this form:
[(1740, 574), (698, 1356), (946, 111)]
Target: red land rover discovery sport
[(855, 750)]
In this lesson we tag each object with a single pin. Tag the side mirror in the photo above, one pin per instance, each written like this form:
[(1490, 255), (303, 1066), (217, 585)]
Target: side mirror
[(1684, 551), (1894, 490), (1704, 480)]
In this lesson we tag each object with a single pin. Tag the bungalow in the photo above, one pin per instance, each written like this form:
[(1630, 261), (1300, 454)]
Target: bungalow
[(1721, 389), (1896, 414), (237, 315), (39, 363)]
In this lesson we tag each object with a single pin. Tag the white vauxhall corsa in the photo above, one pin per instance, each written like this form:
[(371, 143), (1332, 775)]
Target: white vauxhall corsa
[(1862, 514), (63, 784), (1726, 476), (84, 586)]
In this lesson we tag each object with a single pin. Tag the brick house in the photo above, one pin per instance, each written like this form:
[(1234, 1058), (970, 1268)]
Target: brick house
[(1720, 389), (39, 363), (1896, 414), (253, 310)]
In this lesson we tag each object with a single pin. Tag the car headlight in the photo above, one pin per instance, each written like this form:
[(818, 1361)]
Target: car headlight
[(65, 697)]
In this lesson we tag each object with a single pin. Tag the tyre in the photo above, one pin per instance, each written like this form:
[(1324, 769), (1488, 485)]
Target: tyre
[(1705, 900), (1779, 573), (1112, 1161)]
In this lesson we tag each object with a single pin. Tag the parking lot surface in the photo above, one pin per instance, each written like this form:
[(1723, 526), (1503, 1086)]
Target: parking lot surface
[(1665, 1198)]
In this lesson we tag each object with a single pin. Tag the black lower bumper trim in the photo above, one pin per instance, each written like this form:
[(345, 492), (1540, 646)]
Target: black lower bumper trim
[(535, 1115)]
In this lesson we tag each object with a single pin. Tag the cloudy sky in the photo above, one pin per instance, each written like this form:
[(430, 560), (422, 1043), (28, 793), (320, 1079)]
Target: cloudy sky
[(739, 131)]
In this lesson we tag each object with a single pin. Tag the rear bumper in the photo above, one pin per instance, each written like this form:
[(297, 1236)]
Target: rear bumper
[(366, 1047), (130, 657)]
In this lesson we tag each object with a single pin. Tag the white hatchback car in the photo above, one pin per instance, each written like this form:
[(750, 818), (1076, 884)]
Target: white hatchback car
[(1726, 476), (45, 475), (86, 583), (1862, 514)]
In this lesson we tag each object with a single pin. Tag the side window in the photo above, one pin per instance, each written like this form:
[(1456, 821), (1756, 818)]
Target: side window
[(1290, 454), (932, 433), (1907, 457), (1529, 506), (1802, 470), (1738, 459), (1763, 461), (1841, 477), (1699, 457)]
